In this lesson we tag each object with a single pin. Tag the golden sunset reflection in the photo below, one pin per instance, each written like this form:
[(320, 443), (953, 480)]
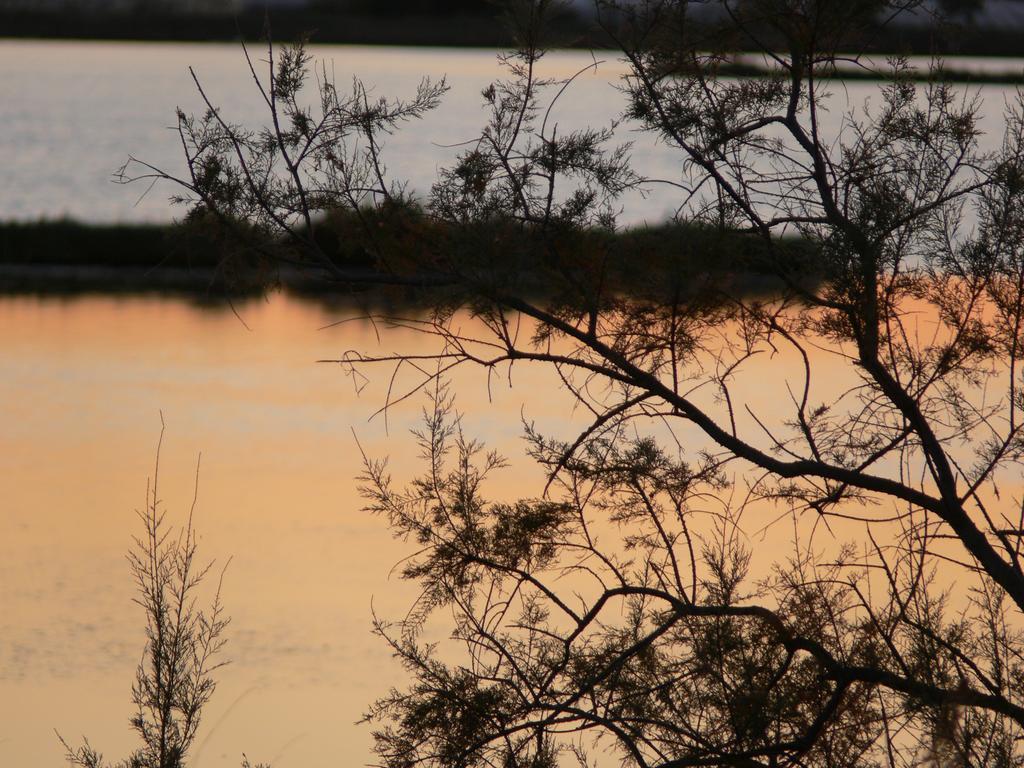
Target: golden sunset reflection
[(83, 385)]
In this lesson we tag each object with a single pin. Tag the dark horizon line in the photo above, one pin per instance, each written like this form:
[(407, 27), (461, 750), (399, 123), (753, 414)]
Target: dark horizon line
[(459, 30)]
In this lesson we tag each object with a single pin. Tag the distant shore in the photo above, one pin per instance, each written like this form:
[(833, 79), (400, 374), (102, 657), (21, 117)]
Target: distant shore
[(459, 30), (466, 29)]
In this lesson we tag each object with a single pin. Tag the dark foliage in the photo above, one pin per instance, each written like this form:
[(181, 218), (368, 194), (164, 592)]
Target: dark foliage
[(176, 676), (619, 609)]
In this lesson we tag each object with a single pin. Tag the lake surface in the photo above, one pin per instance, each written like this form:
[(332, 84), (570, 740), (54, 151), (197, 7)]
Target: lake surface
[(82, 386), (83, 383), (73, 112)]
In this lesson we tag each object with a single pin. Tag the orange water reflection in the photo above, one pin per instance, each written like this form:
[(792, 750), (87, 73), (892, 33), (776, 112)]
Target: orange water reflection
[(82, 384)]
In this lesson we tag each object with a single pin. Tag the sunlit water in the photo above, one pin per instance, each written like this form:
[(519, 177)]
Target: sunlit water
[(83, 382), (82, 385)]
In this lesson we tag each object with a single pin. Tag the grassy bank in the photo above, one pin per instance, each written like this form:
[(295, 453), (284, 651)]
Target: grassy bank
[(68, 258), (69, 242)]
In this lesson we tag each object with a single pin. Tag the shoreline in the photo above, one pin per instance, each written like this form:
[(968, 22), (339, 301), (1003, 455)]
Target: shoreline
[(459, 29), (69, 258)]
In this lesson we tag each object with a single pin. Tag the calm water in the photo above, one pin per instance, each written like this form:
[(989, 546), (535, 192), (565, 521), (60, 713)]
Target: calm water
[(82, 387), (82, 384), (73, 112)]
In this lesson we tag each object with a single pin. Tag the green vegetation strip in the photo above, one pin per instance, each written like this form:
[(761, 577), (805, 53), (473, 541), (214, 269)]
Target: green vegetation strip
[(62, 257), (850, 74)]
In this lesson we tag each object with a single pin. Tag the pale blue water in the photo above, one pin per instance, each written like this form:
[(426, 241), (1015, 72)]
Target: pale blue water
[(72, 113)]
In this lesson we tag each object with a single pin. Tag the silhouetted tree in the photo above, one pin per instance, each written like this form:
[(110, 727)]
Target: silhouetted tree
[(617, 610), (176, 676)]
